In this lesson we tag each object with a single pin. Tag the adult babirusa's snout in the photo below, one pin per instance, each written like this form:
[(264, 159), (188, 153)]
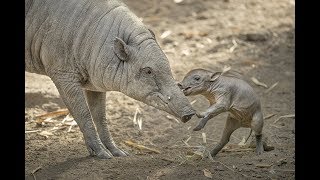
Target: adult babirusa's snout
[(180, 105)]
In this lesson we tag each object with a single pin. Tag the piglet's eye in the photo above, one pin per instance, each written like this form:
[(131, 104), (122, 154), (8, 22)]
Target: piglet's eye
[(147, 71)]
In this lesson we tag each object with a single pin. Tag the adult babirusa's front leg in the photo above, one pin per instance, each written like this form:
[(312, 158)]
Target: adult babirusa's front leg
[(73, 96), (97, 106)]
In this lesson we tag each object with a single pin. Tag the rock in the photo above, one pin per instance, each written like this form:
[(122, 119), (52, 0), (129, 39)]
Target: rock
[(202, 17), (167, 41), (281, 162), (49, 107), (254, 37)]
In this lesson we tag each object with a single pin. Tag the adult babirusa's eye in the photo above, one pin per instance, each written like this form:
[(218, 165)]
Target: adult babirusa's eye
[(197, 78)]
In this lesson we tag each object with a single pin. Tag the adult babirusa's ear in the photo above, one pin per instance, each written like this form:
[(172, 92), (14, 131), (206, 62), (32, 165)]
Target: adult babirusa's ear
[(152, 33), (215, 76), (120, 48)]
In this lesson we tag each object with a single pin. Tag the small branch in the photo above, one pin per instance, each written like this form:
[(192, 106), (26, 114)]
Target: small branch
[(270, 88), (237, 150), (269, 116), (276, 126), (32, 131), (34, 171), (285, 116), (285, 170)]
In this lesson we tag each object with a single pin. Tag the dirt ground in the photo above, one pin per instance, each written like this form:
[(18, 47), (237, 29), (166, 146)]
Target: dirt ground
[(254, 37)]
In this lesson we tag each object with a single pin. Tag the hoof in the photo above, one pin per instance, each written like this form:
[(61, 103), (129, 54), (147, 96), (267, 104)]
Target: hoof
[(119, 153), (104, 155)]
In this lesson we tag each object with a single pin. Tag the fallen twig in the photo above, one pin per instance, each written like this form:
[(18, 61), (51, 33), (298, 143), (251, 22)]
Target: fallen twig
[(169, 160), (286, 170), (255, 80), (32, 131), (188, 139), (54, 114), (271, 87), (207, 139), (237, 150), (275, 126), (172, 118), (41, 118), (285, 116), (57, 128), (204, 138), (140, 147), (178, 147), (34, 171), (186, 143), (235, 45), (269, 116)]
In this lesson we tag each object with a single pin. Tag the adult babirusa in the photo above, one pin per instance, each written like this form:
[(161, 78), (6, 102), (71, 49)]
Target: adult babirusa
[(88, 47)]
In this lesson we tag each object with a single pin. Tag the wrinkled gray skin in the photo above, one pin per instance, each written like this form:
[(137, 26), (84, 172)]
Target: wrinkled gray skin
[(226, 92), (88, 47)]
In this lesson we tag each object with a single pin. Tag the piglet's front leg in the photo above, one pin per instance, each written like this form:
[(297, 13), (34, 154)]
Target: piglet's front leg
[(211, 112)]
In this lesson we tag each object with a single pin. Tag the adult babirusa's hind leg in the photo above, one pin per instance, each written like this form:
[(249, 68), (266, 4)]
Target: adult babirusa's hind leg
[(230, 126), (257, 126), (97, 105)]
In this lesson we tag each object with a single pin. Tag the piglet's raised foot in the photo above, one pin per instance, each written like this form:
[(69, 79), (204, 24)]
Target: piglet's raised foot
[(227, 92)]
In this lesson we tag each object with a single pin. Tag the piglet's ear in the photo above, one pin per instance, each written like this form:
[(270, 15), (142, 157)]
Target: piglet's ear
[(215, 76), (120, 48)]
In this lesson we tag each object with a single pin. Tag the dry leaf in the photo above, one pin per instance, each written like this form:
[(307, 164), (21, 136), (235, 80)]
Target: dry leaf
[(165, 34), (177, 1), (207, 173), (204, 138), (185, 52), (209, 40), (255, 80)]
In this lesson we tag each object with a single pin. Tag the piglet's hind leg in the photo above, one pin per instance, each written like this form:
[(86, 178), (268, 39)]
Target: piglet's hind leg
[(231, 125), (256, 126)]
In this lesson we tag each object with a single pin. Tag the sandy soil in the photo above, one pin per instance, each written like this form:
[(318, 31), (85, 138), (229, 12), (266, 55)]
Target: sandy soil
[(255, 37)]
